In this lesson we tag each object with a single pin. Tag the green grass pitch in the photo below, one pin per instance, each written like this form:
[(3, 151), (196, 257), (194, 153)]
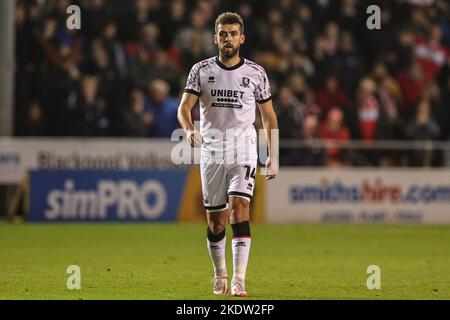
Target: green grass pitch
[(170, 261)]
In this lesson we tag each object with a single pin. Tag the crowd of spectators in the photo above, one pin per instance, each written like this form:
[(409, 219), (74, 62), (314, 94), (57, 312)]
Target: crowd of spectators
[(332, 77)]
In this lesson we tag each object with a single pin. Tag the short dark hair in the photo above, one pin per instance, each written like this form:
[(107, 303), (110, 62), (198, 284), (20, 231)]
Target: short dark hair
[(229, 18)]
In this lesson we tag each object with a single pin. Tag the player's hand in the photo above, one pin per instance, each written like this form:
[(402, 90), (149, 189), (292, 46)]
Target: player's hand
[(271, 168), (194, 137)]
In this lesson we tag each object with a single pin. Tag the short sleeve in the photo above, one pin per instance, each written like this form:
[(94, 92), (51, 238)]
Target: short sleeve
[(193, 81), (262, 91)]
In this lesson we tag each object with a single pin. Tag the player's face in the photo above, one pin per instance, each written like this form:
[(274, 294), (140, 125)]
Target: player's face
[(228, 39)]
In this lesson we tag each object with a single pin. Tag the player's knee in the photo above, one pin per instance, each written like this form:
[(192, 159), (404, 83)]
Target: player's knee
[(217, 227), (239, 209)]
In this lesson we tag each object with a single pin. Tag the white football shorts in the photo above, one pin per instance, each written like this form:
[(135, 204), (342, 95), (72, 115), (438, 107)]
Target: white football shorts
[(221, 180)]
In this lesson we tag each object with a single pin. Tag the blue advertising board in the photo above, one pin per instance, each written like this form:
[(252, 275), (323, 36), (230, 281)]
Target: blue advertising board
[(74, 195)]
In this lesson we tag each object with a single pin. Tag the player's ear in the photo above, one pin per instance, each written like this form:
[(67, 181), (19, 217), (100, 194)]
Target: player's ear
[(242, 39), (215, 39)]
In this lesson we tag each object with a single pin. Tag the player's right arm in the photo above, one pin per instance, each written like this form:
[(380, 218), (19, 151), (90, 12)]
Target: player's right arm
[(188, 101), (190, 97)]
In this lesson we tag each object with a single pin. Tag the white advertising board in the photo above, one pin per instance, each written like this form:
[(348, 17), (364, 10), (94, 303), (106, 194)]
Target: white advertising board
[(20, 154), (359, 195)]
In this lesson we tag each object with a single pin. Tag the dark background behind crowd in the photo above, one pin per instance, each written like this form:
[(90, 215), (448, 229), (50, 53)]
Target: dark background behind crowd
[(123, 73)]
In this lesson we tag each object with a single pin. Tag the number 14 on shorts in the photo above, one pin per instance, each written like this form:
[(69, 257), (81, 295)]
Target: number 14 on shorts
[(250, 172)]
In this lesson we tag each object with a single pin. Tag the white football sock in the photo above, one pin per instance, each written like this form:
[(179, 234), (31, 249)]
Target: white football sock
[(217, 253), (241, 251)]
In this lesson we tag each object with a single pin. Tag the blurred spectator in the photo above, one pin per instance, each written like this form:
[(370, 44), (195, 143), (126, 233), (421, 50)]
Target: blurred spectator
[(430, 52), (313, 154), (371, 115), (59, 74), (372, 120), (389, 95), (195, 41), (348, 65), (334, 129), (331, 38), (36, 122), (89, 114), (349, 16), (411, 83), (305, 17), (162, 108), (303, 93), (401, 55), (438, 107), (247, 12), (148, 40), (114, 48), (290, 114), (332, 95), (96, 14), (175, 20), (100, 63), (151, 62), (422, 127), (137, 121), (141, 69), (322, 62), (142, 12)]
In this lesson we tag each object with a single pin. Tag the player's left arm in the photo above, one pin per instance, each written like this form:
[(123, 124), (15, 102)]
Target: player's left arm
[(270, 124)]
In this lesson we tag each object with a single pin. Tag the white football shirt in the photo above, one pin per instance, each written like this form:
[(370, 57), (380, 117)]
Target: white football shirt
[(227, 99)]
